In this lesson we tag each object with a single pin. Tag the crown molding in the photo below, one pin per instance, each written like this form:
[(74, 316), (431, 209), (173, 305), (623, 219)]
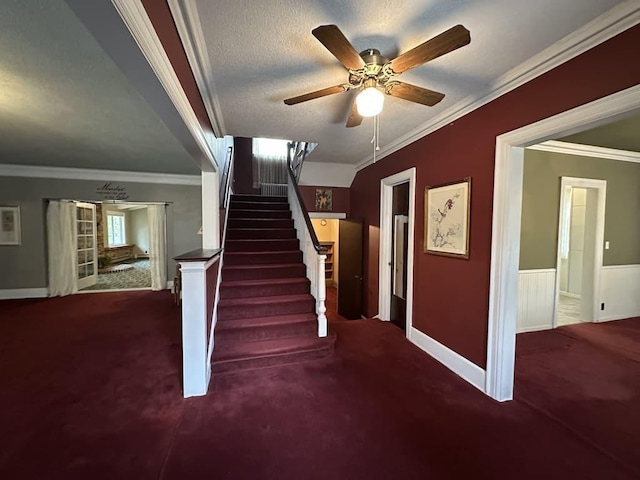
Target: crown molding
[(185, 16), (568, 148), (137, 21), (32, 171), (606, 26)]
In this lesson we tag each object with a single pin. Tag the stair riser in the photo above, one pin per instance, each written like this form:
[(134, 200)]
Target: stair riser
[(264, 214), (272, 361), (242, 234), (257, 245), (251, 311), (235, 205), (290, 271), (267, 332), (263, 290), (260, 223), (258, 198), (259, 258)]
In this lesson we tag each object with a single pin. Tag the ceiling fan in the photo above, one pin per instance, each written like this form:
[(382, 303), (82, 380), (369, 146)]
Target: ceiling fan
[(373, 74)]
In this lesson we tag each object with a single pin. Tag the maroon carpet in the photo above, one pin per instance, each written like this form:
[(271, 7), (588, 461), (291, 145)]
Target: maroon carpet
[(91, 389), (266, 314), (587, 377)]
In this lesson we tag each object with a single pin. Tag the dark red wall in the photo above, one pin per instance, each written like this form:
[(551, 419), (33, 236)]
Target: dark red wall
[(451, 296), (162, 20), (243, 166), (340, 198)]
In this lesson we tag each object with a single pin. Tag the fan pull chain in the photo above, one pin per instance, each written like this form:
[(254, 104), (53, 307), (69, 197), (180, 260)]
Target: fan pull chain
[(375, 141)]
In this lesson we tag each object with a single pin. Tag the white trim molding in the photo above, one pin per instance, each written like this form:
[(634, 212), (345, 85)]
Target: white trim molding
[(386, 245), (606, 26), (33, 171), (21, 293), (455, 362), (139, 24), (507, 211), (567, 148), (185, 16)]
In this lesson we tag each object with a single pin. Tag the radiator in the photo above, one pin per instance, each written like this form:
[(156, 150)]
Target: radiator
[(273, 189)]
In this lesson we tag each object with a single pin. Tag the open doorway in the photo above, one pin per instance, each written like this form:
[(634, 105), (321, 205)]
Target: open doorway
[(397, 219), (105, 246), (122, 236), (507, 206), (580, 242)]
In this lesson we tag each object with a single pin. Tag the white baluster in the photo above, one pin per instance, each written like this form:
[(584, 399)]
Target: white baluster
[(321, 308)]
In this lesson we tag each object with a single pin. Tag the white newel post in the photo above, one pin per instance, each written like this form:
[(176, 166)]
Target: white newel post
[(321, 307), (195, 369)]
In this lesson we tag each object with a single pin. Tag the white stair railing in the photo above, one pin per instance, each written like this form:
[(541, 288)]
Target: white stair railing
[(314, 255)]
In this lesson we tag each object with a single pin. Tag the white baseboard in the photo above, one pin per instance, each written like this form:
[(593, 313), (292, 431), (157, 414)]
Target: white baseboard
[(455, 362), (535, 328), (19, 293)]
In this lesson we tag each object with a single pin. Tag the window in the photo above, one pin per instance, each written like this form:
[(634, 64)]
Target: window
[(269, 147), (116, 234)]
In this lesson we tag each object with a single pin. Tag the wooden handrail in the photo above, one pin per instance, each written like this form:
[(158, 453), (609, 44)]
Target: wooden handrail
[(314, 238)]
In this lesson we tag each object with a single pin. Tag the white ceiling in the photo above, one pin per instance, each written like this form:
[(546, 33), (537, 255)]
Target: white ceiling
[(66, 101), (261, 53), (63, 101)]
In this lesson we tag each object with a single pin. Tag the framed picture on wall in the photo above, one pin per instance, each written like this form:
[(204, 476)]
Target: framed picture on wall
[(9, 225), (446, 222), (324, 200)]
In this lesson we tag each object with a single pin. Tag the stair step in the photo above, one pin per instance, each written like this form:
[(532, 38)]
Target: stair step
[(233, 308), (262, 245), (268, 353), (254, 272), (258, 198), (264, 287), (265, 328), (260, 223), (261, 258), (241, 213), (260, 233), (246, 205)]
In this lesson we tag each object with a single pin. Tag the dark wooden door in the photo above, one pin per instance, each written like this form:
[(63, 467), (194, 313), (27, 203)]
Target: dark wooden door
[(399, 235), (350, 268)]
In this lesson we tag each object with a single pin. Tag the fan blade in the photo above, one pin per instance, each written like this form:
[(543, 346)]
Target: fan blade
[(355, 118), (446, 42), (335, 41), (317, 94), (413, 93)]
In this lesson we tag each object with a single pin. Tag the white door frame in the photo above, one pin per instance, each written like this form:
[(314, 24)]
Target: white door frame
[(507, 211), (601, 188), (386, 244)]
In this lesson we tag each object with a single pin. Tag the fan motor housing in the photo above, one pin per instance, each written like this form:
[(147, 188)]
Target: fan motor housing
[(373, 60)]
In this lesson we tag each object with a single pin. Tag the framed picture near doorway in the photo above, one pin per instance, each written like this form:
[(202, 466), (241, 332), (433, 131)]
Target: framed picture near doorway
[(9, 225), (446, 222)]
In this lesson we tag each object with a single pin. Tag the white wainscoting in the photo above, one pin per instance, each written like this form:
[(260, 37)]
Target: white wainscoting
[(620, 292), (536, 299)]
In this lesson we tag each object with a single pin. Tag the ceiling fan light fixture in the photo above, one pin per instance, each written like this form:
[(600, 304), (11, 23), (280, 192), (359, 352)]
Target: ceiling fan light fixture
[(370, 102)]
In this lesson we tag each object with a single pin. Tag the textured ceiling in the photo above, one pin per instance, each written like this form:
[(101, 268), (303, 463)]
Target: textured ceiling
[(261, 53), (63, 102), (621, 135)]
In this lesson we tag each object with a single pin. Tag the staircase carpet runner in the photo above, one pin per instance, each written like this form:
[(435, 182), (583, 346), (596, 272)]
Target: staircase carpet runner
[(266, 314)]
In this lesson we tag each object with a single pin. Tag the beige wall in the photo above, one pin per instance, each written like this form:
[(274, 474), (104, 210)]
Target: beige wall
[(329, 233), (541, 202)]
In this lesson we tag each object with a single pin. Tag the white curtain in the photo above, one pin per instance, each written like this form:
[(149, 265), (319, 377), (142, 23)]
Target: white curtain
[(62, 249), (157, 248), (269, 161)]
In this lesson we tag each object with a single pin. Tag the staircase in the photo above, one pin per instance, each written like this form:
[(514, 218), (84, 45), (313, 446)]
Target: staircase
[(266, 314)]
